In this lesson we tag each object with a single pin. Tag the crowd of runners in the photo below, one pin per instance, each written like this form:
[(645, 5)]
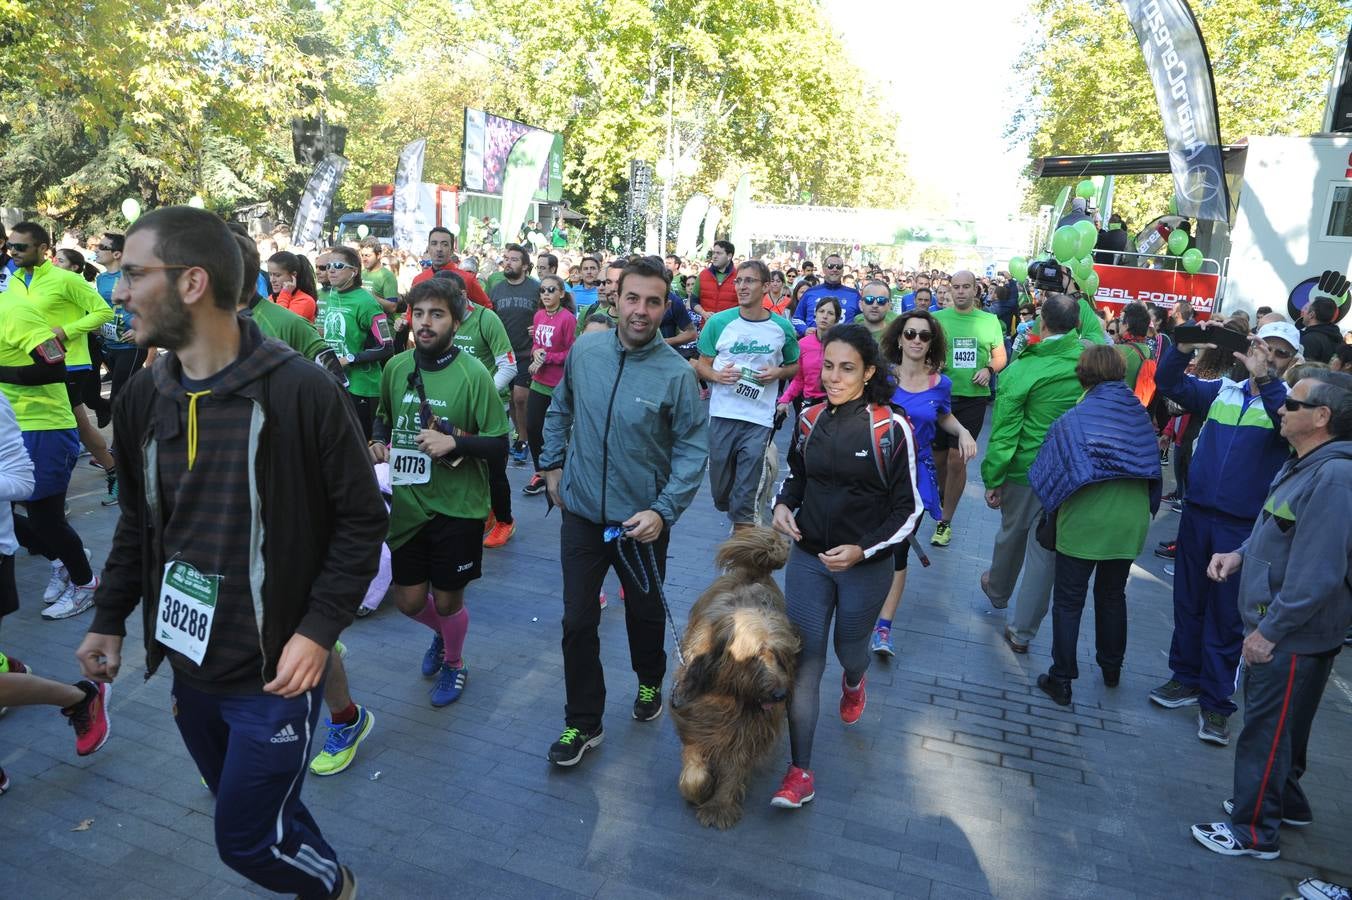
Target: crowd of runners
[(300, 434)]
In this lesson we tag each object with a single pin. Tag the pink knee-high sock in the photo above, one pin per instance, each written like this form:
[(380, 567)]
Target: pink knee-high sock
[(428, 615), (453, 629)]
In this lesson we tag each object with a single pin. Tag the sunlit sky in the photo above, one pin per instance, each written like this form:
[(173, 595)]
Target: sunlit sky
[(946, 66)]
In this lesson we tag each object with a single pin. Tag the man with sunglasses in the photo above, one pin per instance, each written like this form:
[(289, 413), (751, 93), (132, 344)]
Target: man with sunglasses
[(875, 308), (1295, 603), (833, 269), (1237, 453)]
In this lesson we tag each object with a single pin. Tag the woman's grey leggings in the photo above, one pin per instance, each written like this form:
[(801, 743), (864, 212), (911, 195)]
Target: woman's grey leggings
[(813, 594)]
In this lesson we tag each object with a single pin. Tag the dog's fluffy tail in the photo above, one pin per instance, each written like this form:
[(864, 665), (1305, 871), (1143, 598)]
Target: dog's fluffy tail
[(755, 551)]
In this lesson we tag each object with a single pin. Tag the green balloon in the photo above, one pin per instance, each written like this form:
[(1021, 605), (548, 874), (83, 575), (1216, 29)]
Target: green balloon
[(1088, 235), (1085, 189), (1178, 241), (1081, 268), (1018, 268), (1090, 284), (1192, 261), (1066, 244)]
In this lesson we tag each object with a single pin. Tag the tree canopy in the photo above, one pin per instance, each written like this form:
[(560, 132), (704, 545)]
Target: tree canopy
[(1272, 60), (162, 100)]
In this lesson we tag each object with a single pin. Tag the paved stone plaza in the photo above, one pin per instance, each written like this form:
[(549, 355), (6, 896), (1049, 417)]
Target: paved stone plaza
[(961, 780)]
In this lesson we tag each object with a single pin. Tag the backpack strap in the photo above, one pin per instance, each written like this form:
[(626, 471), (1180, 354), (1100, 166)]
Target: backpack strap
[(807, 420), (881, 416)]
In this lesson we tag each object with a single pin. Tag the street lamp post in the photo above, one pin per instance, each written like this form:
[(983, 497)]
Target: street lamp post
[(670, 152)]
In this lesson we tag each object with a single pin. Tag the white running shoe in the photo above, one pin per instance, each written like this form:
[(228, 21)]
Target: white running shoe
[(59, 582), (73, 601)]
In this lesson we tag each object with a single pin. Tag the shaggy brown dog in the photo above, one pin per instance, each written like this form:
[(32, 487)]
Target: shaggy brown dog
[(729, 698)]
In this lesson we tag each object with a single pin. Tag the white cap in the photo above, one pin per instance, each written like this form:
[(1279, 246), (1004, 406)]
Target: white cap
[(1284, 330)]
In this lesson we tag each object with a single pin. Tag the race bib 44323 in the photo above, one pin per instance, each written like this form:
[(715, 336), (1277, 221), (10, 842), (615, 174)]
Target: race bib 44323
[(964, 353)]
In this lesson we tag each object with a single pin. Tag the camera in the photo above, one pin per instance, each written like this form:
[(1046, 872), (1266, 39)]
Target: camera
[(1047, 275)]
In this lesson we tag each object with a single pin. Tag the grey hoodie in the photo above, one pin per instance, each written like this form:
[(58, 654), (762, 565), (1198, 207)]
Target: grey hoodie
[(629, 430), (1294, 586)]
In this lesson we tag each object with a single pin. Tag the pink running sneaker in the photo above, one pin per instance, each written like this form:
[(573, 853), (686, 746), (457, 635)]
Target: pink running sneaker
[(796, 789), (852, 700), (89, 717)]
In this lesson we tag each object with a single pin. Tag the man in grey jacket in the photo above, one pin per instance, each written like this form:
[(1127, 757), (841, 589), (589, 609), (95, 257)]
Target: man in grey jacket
[(626, 442), (1296, 603)]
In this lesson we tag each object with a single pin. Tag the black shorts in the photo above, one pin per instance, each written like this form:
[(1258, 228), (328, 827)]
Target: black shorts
[(523, 375), (446, 552), (971, 413), (78, 384)]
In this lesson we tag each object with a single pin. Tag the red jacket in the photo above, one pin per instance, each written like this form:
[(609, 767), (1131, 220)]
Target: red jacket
[(715, 297), (473, 289)]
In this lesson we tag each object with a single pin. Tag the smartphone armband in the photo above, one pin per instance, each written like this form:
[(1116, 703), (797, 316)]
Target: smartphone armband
[(380, 330), (50, 351)]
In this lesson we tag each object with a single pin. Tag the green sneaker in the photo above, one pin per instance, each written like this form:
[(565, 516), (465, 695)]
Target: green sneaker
[(341, 746), (943, 533)]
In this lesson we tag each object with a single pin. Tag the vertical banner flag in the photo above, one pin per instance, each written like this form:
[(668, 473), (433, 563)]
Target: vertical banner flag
[(1180, 70), (314, 203), (407, 180), (687, 233), (525, 166)]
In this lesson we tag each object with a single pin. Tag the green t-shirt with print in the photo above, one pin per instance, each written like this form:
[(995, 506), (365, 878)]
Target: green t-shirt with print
[(970, 336), (348, 320), (484, 336), (381, 283), (461, 393)]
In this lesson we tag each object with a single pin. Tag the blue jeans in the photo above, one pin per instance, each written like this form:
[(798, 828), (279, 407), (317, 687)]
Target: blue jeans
[(253, 751)]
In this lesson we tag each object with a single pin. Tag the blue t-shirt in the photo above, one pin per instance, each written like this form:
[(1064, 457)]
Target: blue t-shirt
[(583, 297), (924, 409), (105, 284), (805, 314)]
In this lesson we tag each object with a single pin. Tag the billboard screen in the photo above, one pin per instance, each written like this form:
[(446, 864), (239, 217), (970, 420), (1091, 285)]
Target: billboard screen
[(489, 140)]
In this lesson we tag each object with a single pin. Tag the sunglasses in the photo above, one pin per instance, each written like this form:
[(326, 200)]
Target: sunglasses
[(873, 301), (1280, 353), (834, 266), (334, 267), (912, 334), (105, 247), (551, 289), (1291, 404), (17, 248)]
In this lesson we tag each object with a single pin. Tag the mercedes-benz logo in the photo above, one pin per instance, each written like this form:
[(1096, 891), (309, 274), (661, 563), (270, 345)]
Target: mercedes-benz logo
[(1202, 183)]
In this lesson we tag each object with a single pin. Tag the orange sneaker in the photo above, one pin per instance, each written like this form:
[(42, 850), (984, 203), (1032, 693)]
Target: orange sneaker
[(499, 535), (491, 523)]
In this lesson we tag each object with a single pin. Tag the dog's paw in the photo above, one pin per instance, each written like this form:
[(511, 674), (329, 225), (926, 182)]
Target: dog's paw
[(719, 816)]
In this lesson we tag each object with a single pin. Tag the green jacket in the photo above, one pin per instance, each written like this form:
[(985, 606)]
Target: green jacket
[(628, 429), (1032, 394), (282, 324), (66, 301)]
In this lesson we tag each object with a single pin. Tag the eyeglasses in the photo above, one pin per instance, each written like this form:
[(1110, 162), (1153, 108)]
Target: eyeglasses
[(131, 273), (912, 334), (873, 301), (1293, 405), (17, 248), (747, 280)]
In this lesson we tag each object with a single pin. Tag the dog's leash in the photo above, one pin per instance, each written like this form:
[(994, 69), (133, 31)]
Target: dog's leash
[(649, 578)]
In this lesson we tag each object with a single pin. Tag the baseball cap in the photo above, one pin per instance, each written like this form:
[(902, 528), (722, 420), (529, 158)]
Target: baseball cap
[(1284, 330)]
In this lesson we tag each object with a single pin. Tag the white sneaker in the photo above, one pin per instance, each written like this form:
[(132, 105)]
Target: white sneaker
[(59, 582), (73, 601)]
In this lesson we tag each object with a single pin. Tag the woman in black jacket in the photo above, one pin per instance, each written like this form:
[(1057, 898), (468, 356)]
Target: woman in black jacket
[(851, 494)]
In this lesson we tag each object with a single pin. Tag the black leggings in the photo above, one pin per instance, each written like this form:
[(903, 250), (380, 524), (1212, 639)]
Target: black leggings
[(499, 489), (45, 531), (537, 404), (366, 413)]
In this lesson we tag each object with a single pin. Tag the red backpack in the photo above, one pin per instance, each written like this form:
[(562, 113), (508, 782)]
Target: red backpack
[(882, 433), (1144, 388)]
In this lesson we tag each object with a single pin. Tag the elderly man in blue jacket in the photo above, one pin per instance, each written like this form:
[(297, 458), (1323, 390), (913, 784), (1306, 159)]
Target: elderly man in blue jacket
[(1237, 452), (1296, 603)]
